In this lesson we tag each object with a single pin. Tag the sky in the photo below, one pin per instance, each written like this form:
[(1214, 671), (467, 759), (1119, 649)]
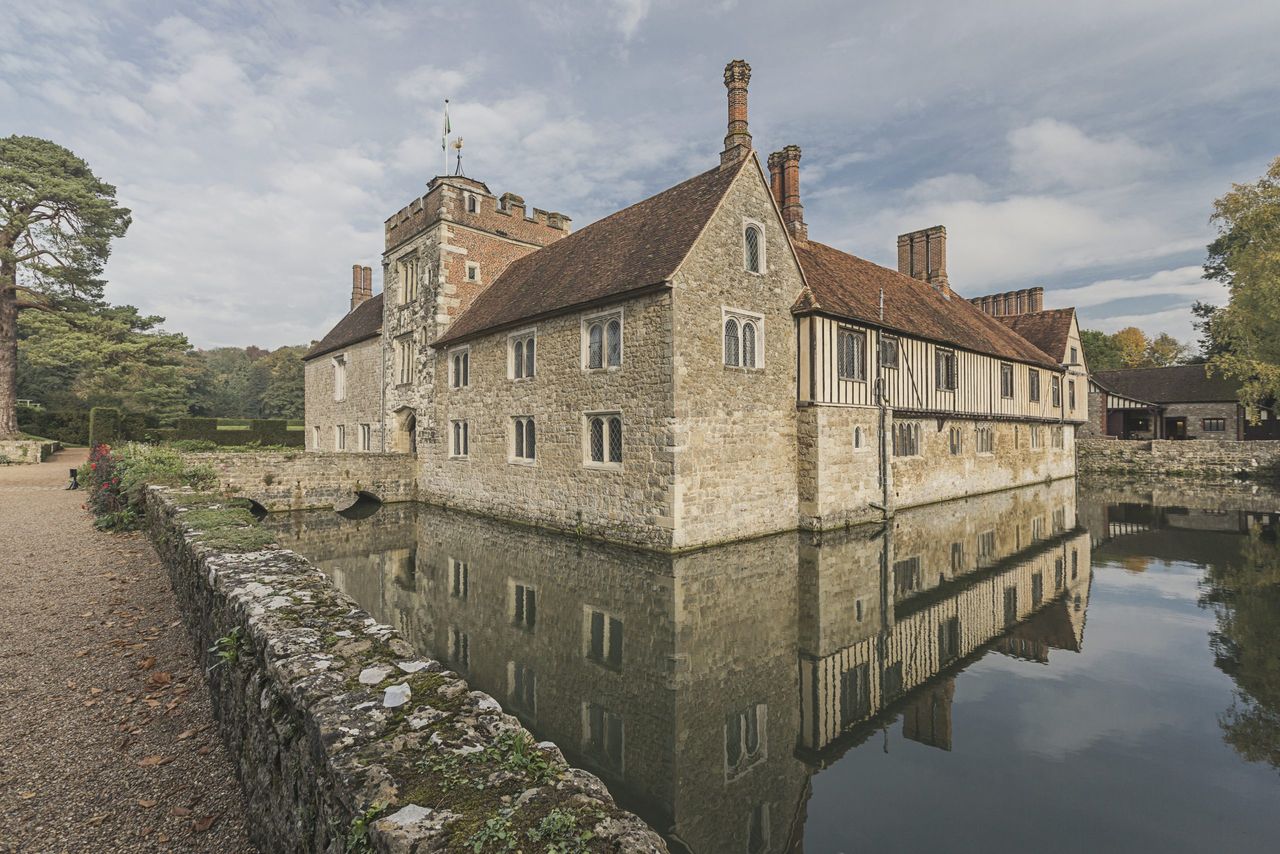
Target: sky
[(1077, 146)]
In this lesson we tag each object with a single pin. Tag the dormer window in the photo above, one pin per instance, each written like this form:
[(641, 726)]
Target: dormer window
[(753, 247)]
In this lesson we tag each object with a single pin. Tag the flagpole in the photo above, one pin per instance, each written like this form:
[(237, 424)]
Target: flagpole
[(444, 139)]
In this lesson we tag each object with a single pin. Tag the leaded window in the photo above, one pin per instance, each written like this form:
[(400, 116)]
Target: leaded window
[(1006, 379), (595, 345), (888, 351), (748, 345), (1033, 385), (604, 439), (525, 439), (731, 353), (460, 369), (751, 238), (944, 370), (613, 340), (851, 354), (906, 439), (460, 440)]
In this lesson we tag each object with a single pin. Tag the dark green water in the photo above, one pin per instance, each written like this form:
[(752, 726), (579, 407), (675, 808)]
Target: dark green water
[(1046, 669)]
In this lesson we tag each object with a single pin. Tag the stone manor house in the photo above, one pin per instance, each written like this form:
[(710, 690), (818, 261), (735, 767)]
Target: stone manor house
[(692, 369)]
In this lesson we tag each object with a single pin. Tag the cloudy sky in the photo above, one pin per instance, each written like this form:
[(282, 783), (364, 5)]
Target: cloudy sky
[(1075, 145)]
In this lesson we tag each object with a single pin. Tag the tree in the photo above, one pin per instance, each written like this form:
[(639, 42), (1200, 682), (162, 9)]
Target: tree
[(88, 355), (1100, 351), (1165, 350), (1133, 346), (283, 397), (1212, 341), (1246, 257), (57, 221)]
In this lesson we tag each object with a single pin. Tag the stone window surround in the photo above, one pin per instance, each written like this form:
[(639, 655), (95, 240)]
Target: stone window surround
[(748, 759), (522, 335), (860, 443), (366, 437), (340, 437), (747, 223), (603, 317), (464, 350), (406, 357), (742, 315), (407, 265), (471, 203), (605, 657), (459, 444), (606, 414), (340, 377), (511, 443), (606, 715), (977, 432), (473, 268), (315, 438)]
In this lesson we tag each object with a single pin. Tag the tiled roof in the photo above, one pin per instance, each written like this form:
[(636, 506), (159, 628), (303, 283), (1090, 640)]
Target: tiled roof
[(1175, 384), (1048, 330), (847, 286), (364, 321), (636, 247)]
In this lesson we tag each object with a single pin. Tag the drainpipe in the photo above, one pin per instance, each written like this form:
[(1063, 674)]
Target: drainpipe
[(882, 404)]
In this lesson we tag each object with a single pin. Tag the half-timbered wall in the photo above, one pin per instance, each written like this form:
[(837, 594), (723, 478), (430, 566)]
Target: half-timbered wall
[(913, 386)]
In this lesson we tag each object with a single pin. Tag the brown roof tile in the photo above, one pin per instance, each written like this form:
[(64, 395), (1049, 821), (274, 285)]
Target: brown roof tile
[(636, 247), (847, 286), (363, 321), (1048, 330), (1174, 384)]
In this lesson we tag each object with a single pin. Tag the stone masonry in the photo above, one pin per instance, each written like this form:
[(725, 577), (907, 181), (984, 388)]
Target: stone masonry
[(296, 480), (1223, 460)]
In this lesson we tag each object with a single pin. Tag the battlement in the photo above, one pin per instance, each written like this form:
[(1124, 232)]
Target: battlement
[(468, 202)]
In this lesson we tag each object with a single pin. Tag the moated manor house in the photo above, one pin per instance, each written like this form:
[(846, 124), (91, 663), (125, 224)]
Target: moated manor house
[(690, 370)]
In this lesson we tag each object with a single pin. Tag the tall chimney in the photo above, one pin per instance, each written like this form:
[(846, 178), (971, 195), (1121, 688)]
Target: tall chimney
[(792, 210), (368, 283), (357, 286), (923, 255), (776, 178), (737, 142), (1037, 299)]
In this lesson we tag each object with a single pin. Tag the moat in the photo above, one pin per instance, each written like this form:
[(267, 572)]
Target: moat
[(1060, 668)]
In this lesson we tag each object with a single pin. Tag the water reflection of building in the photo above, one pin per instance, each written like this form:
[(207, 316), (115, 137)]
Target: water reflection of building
[(707, 688)]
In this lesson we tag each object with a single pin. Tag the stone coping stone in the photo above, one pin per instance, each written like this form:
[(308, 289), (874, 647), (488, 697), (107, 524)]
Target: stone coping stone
[(344, 738), (28, 450)]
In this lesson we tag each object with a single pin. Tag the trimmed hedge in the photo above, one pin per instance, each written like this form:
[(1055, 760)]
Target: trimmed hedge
[(104, 426), (70, 427), (222, 431)]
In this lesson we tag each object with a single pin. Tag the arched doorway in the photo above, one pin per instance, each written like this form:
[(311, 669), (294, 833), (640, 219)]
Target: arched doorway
[(411, 428)]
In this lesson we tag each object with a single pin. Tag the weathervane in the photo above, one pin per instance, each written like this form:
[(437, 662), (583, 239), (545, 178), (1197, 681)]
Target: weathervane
[(457, 146)]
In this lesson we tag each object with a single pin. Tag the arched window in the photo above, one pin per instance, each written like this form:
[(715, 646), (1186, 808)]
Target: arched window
[(857, 437), (471, 204), (614, 335), (615, 439), (529, 443), (731, 342), (519, 360), (595, 346), (752, 248), (528, 358), (519, 437), (748, 345), (457, 370), (597, 439)]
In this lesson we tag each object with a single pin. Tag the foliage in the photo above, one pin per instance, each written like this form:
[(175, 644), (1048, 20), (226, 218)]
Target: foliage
[(1131, 348), (496, 835), (116, 478), (562, 832), (1246, 258), (248, 383), (104, 426), (57, 221), (226, 649), (70, 427), (222, 431), (358, 833)]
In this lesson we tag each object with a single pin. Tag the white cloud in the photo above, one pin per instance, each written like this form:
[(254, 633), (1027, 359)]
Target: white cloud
[(431, 83), (1186, 283), (1049, 152), (629, 15)]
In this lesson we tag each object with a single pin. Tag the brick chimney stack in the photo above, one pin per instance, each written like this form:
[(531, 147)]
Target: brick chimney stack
[(792, 210), (737, 142), (361, 285), (923, 255), (776, 178)]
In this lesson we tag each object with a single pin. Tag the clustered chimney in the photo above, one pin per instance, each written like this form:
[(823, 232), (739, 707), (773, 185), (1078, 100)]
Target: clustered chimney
[(737, 142), (1011, 303), (923, 255), (784, 183), (361, 285)]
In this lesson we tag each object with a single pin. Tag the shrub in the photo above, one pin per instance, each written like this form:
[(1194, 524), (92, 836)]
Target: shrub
[(117, 478), (70, 427), (104, 426)]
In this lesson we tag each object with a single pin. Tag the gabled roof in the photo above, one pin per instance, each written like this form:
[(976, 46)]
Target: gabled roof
[(1174, 384), (847, 286), (1048, 330), (634, 248), (362, 322)]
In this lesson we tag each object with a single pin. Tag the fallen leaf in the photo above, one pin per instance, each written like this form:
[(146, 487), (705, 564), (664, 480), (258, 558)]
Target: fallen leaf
[(95, 691), (98, 819), (179, 811), (149, 761), (82, 653), (146, 804), (205, 751), (204, 824), (147, 663), (26, 796), (88, 703), (185, 734), (160, 677)]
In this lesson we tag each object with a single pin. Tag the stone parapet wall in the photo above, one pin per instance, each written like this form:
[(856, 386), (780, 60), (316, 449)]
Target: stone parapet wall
[(27, 450), (301, 480), (344, 739), (1203, 459)]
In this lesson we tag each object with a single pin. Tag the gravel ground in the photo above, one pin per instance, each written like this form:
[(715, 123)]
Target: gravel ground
[(107, 739)]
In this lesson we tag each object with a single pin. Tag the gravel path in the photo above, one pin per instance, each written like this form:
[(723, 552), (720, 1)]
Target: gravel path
[(106, 737)]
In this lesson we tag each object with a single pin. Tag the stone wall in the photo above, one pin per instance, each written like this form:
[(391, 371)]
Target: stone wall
[(344, 739), (1223, 460), (297, 480), (627, 502), (27, 450), (361, 405), (735, 428)]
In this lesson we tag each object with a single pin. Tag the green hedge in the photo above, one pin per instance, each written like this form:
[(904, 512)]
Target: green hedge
[(225, 431), (69, 427), (105, 426)]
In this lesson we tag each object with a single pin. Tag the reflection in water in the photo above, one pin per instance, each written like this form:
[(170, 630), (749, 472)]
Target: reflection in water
[(708, 689), (1240, 551)]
